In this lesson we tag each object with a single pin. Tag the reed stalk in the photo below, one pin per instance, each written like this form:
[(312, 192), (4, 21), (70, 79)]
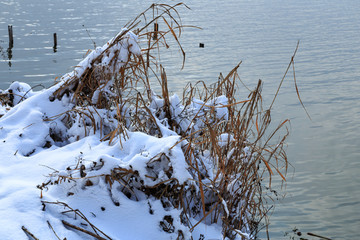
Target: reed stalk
[(232, 150)]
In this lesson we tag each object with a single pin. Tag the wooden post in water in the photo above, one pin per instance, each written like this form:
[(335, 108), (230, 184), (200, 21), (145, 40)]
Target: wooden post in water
[(55, 42), (11, 37), (156, 29), (11, 43)]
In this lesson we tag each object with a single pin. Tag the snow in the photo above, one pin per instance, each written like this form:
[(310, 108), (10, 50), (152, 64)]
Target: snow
[(32, 156), (20, 199)]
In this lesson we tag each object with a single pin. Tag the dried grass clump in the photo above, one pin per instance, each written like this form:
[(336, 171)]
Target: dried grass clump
[(230, 152)]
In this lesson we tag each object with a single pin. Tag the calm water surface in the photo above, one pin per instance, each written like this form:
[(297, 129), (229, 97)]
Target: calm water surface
[(323, 188)]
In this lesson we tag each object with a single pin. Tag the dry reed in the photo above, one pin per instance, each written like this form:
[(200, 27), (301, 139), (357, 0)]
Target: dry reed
[(231, 152)]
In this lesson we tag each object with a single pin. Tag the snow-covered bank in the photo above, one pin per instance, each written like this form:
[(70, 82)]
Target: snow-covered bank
[(101, 155), (21, 204)]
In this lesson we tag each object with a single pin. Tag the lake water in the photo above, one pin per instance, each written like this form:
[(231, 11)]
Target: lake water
[(323, 187)]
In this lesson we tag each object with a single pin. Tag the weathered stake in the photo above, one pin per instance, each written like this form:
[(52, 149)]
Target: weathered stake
[(55, 42), (11, 37)]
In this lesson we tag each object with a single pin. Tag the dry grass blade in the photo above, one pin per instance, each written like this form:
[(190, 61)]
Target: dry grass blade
[(50, 226), (177, 40), (291, 63), (318, 236), (297, 90), (82, 230), (29, 233)]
